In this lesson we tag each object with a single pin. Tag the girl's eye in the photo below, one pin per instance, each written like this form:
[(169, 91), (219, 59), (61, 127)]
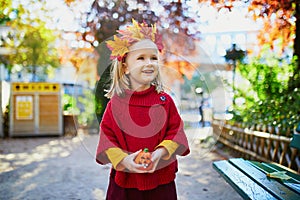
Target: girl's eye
[(143, 58)]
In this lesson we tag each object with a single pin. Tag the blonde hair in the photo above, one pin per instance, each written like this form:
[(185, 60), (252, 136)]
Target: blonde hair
[(120, 81)]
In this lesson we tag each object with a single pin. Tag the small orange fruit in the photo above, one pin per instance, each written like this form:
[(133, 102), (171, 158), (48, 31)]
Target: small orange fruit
[(144, 158)]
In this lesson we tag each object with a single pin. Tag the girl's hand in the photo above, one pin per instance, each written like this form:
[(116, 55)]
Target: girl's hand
[(156, 156), (129, 164)]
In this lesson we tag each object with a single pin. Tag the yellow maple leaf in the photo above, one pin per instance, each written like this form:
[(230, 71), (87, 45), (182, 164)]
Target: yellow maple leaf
[(135, 30), (279, 174), (118, 46), (153, 31)]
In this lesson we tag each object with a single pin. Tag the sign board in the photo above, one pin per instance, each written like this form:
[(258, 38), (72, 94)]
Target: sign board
[(24, 107)]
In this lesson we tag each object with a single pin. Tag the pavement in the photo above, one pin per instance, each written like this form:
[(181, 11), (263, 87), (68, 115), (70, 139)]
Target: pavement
[(64, 168)]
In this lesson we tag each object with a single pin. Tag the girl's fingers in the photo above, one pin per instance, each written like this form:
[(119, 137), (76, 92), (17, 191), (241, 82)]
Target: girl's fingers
[(137, 168), (131, 166), (156, 156), (136, 153)]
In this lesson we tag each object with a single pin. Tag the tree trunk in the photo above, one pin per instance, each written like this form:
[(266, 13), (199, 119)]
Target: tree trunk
[(103, 70), (33, 73)]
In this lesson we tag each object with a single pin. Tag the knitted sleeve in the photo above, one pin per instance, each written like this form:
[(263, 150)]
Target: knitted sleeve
[(115, 155), (175, 130), (110, 136), (170, 146)]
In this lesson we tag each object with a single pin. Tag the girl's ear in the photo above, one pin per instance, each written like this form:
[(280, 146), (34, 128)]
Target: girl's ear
[(124, 65)]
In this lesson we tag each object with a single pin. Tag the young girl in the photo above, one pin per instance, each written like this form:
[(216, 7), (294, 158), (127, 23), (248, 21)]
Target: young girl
[(139, 115)]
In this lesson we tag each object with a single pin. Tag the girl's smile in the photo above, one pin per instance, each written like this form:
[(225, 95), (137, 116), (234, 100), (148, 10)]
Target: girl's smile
[(148, 71)]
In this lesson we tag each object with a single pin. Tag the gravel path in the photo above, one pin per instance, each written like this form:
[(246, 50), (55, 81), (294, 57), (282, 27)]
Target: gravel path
[(64, 168)]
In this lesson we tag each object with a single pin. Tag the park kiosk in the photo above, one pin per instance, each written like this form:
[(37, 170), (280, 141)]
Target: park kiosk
[(35, 109)]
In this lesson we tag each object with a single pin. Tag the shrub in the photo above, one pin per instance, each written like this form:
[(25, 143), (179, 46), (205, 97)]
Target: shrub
[(265, 98)]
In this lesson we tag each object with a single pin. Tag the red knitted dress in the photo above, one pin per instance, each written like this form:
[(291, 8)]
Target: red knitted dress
[(142, 120)]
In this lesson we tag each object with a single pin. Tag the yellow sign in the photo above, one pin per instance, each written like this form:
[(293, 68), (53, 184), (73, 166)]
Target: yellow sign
[(24, 107), (36, 87)]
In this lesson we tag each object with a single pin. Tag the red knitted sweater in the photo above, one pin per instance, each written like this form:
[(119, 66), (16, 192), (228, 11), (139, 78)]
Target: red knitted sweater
[(142, 120)]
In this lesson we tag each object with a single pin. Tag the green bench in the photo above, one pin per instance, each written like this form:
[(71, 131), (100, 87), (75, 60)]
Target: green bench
[(295, 142), (255, 180), (250, 179)]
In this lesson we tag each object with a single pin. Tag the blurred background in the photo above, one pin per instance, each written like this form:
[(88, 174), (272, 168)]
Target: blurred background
[(223, 59)]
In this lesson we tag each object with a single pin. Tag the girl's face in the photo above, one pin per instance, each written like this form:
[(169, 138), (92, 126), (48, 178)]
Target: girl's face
[(141, 65)]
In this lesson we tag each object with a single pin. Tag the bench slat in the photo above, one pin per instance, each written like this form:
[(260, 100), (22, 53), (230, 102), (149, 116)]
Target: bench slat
[(269, 184), (293, 182), (288, 171), (271, 167), (245, 186)]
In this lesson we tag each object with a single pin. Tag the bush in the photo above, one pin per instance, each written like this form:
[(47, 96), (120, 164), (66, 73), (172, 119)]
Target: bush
[(82, 106), (69, 104), (265, 98)]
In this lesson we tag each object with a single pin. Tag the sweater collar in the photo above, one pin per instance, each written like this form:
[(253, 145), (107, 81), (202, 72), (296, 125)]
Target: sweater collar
[(148, 97), (144, 92)]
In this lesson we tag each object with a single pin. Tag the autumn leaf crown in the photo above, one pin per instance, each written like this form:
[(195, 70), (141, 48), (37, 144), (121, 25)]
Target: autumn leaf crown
[(132, 34)]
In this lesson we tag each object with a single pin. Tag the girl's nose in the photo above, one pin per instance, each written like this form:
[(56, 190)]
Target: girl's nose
[(149, 61)]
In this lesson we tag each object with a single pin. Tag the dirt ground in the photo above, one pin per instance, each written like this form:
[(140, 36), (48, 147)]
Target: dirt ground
[(64, 168)]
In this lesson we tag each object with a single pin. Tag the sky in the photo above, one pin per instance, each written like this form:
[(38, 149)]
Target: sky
[(225, 21), (210, 20)]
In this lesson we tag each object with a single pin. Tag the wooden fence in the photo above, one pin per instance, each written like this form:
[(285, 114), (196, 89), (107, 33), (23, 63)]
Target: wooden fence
[(259, 143)]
